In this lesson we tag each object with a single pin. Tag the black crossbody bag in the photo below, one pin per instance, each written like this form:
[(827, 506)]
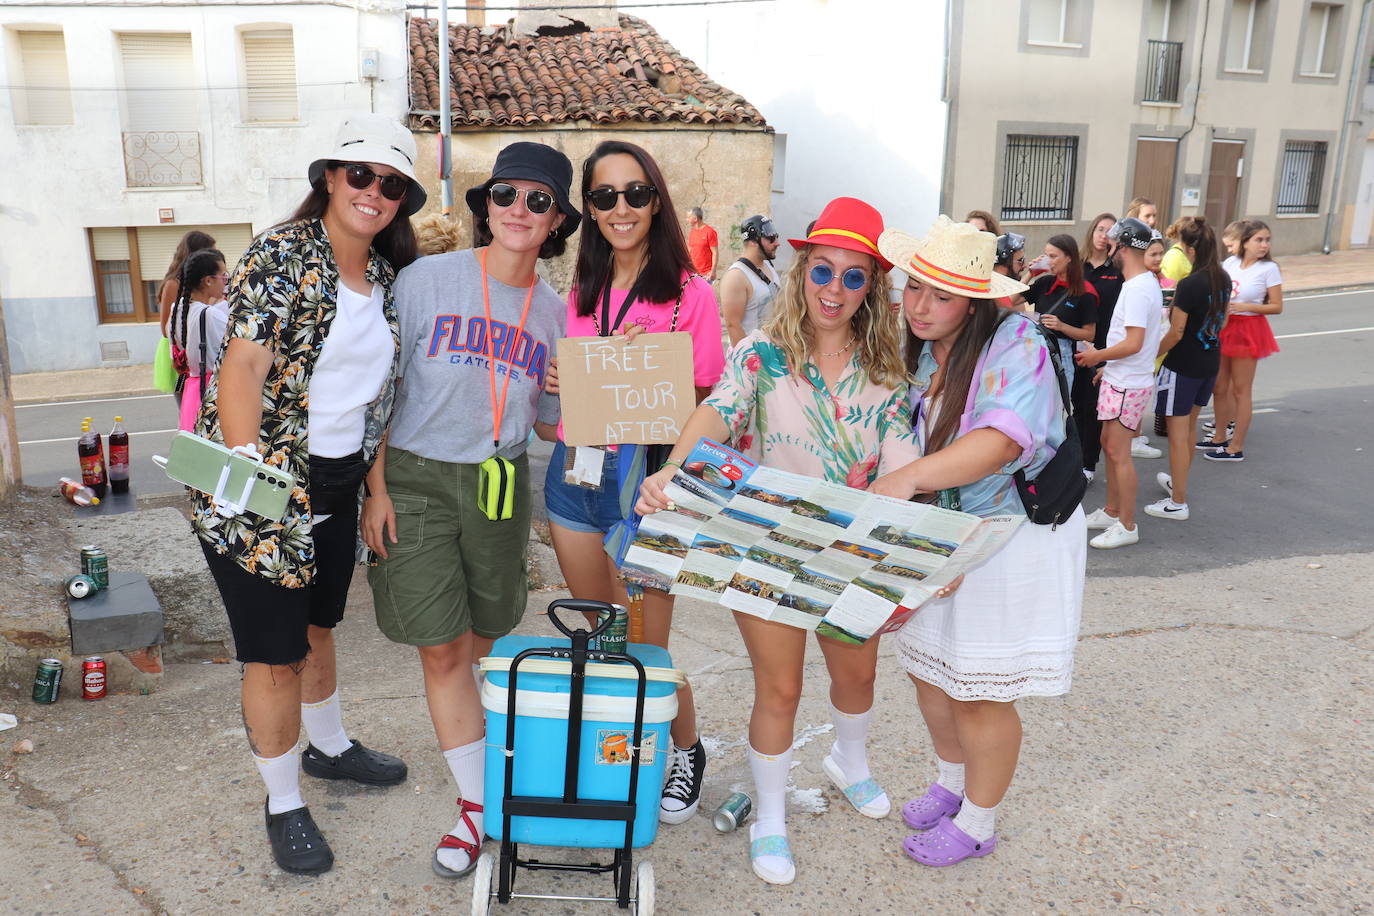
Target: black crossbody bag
[(1058, 489)]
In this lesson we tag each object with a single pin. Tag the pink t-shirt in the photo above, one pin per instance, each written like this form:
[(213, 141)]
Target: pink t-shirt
[(698, 316)]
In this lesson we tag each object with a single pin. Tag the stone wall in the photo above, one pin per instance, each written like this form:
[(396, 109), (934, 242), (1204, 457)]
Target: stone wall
[(726, 172)]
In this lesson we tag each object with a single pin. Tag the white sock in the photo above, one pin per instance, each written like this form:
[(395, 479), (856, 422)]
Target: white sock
[(979, 823), (283, 778), (1177, 505), (323, 722), (851, 739), (468, 764), (477, 675), (770, 794), (951, 776)]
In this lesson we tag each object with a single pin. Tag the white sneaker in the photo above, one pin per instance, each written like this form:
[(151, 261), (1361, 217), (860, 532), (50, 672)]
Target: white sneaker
[(1166, 483), (1167, 508), (1141, 439), (1115, 536), (1100, 520), (1140, 449), (1089, 475)]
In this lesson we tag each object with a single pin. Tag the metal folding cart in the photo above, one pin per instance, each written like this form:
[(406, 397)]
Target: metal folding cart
[(587, 706)]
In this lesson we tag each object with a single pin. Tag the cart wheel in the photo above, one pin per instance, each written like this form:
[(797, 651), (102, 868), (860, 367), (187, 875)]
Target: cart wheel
[(483, 884), (644, 889)]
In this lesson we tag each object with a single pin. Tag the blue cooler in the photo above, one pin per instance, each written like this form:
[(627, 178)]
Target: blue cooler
[(541, 741)]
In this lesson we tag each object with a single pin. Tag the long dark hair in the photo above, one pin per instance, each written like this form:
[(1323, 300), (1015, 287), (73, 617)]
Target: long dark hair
[(959, 365), (1066, 244), (1253, 227), (396, 242), (668, 258), (1195, 233), (195, 240), (1088, 238), (200, 264)]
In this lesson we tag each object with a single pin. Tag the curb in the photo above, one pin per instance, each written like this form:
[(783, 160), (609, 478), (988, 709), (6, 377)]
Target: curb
[(87, 396), (1325, 290)]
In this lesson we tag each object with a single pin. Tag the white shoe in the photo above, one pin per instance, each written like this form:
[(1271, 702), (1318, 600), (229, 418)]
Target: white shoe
[(1100, 520), (1166, 508), (1089, 475), (1166, 483), (1115, 536), (1141, 450), (1141, 440)]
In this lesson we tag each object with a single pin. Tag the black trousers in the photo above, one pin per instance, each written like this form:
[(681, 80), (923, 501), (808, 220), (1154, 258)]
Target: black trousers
[(1084, 397)]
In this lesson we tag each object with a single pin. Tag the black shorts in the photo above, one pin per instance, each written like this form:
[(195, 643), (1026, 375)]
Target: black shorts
[(270, 622), (1176, 395)]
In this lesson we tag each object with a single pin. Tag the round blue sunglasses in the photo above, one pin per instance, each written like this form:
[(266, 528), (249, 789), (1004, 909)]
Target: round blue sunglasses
[(854, 278)]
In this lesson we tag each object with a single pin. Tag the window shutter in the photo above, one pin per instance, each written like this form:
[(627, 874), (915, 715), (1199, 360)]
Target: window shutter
[(157, 244), (160, 88), (269, 63), (111, 244), (45, 97)]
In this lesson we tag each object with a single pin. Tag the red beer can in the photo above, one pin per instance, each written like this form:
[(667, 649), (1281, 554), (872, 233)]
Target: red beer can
[(93, 678)]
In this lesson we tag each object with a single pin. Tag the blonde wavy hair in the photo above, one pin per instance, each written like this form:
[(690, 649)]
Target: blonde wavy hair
[(876, 327), (436, 234)]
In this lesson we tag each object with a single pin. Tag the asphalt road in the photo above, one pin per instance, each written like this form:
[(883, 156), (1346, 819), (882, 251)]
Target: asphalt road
[(1303, 489)]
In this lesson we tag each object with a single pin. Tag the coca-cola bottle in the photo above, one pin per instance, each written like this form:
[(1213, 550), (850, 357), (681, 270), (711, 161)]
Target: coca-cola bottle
[(119, 458), (92, 455), (77, 493)]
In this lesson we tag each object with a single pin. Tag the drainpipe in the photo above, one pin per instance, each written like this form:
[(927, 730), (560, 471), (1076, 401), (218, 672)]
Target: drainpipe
[(1356, 68), (445, 114)]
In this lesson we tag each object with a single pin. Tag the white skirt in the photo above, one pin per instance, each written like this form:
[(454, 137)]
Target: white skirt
[(1011, 628)]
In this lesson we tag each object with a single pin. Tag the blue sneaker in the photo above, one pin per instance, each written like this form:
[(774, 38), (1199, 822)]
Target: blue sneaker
[(1221, 454)]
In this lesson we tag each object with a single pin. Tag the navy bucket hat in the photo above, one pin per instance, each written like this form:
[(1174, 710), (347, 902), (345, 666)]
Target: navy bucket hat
[(528, 161)]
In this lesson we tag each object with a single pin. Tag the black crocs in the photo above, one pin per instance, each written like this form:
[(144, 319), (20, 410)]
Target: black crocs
[(360, 764), (297, 844)]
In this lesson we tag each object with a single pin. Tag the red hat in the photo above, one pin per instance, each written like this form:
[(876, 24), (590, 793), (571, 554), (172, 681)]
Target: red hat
[(849, 223)]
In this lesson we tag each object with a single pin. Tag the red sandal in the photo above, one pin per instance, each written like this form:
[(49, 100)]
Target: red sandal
[(449, 841)]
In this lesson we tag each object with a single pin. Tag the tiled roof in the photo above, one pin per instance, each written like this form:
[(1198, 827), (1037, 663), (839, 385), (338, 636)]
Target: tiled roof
[(501, 78)]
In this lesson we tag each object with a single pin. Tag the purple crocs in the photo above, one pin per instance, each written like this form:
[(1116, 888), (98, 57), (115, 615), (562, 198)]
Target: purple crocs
[(925, 812), (946, 844)]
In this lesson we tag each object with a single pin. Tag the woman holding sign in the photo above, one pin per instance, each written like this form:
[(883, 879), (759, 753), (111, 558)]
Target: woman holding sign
[(987, 406), (633, 271), (448, 505), (820, 390)]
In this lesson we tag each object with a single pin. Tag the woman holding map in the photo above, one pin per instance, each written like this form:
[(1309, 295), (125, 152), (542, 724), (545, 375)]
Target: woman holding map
[(820, 390), (986, 406)]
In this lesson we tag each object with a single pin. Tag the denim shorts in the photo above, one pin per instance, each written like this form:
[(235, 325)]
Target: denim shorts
[(580, 508)]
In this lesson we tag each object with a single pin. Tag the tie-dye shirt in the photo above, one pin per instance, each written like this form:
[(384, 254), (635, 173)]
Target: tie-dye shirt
[(849, 433), (1017, 395)]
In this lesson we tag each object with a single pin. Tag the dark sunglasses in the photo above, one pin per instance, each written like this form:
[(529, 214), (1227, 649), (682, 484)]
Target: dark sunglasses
[(505, 195), (638, 196), (360, 176), (854, 278)]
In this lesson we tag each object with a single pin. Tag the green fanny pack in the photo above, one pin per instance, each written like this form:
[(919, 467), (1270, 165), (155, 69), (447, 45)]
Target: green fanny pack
[(496, 488)]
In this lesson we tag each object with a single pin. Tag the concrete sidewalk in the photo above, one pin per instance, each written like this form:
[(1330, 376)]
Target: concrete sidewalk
[(1211, 758), (1303, 274)]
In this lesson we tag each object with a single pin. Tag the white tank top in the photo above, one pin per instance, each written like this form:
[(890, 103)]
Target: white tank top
[(760, 293)]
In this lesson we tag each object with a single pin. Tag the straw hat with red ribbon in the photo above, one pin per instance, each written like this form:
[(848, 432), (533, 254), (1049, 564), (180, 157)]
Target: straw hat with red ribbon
[(954, 257), (848, 223)]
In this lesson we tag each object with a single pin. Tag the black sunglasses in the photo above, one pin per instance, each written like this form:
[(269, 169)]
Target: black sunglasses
[(638, 196), (360, 176), (505, 195)]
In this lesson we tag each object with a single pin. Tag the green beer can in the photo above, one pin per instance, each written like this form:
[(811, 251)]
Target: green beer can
[(96, 565), (615, 637), (47, 681)]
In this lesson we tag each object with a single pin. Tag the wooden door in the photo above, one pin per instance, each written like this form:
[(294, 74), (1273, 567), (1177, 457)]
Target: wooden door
[(1155, 159), (1223, 183)]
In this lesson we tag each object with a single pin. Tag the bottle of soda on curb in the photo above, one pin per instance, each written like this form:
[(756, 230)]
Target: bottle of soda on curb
[(77, 493), (119, 458), (92, 455)]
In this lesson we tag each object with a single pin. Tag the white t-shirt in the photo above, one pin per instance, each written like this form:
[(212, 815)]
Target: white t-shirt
[(349, 372), (1249, 285), (216, 320), (1138, 306)]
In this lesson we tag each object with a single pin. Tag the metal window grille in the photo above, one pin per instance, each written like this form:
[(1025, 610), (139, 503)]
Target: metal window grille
[(1038, 180), (1300, 184), (1163, 62)]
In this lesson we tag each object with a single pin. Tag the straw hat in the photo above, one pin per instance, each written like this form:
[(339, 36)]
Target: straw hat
[(953, 256), (848, 223)]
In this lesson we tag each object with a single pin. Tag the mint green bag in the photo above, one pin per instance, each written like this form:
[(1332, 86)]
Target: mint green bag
[(164, 373)]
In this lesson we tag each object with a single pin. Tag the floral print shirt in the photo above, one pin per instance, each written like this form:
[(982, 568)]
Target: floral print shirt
[(284, 296), (849, 433), (1017, 395)]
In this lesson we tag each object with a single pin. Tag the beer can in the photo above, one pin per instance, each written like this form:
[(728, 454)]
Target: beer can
[(96, 565), (47, 681), (80, 586), (93, 678), (732, 812), (616, 636)]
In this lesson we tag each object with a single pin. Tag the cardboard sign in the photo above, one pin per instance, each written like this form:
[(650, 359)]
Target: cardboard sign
[(615, 392)]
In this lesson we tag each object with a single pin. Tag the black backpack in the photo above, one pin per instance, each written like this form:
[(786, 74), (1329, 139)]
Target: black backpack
[(1058, 489)]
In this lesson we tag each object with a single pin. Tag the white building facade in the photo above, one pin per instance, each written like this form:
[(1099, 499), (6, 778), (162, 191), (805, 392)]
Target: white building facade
[(127, 125)]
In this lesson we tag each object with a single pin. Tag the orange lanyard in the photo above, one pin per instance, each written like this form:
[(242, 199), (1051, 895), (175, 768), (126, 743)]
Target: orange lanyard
[(499, 409)]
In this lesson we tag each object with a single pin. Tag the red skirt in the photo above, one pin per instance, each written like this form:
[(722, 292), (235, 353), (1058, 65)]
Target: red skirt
[(1248, 337)]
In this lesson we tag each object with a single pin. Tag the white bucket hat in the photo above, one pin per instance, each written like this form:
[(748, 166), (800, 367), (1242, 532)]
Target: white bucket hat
[(954, 257), (375, 138)]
